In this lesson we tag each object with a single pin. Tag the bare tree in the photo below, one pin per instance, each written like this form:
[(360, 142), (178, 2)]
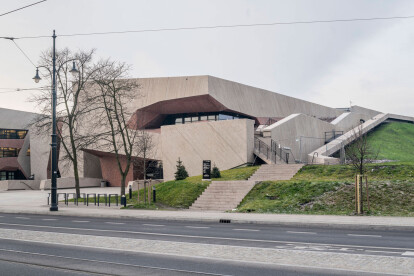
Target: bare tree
[(114, 92), (145, 148), (361, 151), (72, 103)]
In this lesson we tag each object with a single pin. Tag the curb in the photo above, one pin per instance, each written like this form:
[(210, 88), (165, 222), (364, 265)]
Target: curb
[(298, 224)]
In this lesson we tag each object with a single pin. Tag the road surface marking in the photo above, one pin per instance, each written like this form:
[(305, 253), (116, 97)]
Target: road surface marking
[(105, 262), (49, 219), (296, 232), (1, 216), (379, 251), (114, 222), (80, 221), (252, 230), (408, 253), (198, 227), (22, 218), (372, 236), (194, 236), (156, 225)]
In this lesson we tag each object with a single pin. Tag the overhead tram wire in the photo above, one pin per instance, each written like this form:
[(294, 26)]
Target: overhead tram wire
[(22, 8), (220, 27)]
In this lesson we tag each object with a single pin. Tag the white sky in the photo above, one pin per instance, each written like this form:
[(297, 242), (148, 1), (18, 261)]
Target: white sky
[(369, 63)]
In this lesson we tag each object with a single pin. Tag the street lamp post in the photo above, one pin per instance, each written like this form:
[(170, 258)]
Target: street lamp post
[(53, 188)]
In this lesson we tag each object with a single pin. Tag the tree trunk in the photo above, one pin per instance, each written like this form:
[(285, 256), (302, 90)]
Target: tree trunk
[(76, 174), (123, 184)]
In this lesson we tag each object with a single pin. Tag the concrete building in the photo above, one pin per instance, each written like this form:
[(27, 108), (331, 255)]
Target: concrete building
[(200, 118)]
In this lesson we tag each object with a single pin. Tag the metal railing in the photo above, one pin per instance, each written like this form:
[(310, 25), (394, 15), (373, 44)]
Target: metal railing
[(332, 135), (261, 147), (284, 153)]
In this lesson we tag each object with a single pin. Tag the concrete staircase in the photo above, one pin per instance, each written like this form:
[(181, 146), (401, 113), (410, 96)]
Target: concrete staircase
[(223, 195), (275, 172), (227, 195)]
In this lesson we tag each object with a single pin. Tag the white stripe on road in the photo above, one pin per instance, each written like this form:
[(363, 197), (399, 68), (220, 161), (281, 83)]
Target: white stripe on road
[(49, 219), (107, 262), (156, 225), (369, 236), (114, 222), (295, 232), (408, 253), (80, 221), (199, 237), (252, 230), (22, 218), (378, 251), (198, 227)]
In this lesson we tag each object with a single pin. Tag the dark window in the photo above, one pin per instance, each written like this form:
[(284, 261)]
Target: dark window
[(12, 134), (11, 175), (9, 152)]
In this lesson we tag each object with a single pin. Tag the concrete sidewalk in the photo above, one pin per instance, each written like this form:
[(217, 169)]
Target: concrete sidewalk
[(34, 202)]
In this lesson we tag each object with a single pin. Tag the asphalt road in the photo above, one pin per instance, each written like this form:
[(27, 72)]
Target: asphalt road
[(19, 257)]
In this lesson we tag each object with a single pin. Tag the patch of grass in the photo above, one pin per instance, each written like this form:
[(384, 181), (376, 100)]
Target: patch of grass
[(390, 171), (183, 193), (393, 197), (395, 141)]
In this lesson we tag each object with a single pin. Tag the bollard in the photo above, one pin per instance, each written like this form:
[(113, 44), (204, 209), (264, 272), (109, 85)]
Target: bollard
[(123, 200), (130, 191), (153, 194)]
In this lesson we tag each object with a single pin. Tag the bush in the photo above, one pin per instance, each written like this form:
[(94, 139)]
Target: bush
[(181, 172), (215, 173)]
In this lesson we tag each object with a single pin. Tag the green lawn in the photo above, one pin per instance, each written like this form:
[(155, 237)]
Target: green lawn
[(395, 141), (393, 197), (182, 193), (319, 189)]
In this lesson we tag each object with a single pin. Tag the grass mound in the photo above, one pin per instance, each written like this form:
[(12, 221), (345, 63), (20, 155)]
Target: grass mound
[(329, 197), (395, 141)]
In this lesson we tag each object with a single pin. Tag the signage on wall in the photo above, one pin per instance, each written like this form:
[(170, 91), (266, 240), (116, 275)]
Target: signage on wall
[(207, 169)]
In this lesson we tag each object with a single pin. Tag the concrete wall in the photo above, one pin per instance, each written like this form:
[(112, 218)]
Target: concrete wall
[(226, 143), (69, 182), (349, 120), (301, 133), (263, 103), (39, 154), (7, 185), (362, 110), (23, 159)]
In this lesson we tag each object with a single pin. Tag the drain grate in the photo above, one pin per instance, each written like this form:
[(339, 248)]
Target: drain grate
[(225, 221)]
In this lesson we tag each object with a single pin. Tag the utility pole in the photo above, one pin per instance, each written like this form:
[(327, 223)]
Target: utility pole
[(53, 188)]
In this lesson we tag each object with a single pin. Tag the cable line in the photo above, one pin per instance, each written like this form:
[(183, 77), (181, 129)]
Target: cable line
[(24, 53), (219, 27), (23, 7)]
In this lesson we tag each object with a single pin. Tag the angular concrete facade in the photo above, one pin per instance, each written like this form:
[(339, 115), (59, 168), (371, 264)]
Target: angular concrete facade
[(198, 118)]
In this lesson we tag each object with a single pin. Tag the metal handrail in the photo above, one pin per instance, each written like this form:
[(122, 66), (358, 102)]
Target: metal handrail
[(263, 148)]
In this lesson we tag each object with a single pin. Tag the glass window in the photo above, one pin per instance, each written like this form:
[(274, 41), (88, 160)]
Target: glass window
[(225, 117), (203, 118), (11, 176), (12, 134), (194, 119), (9, 152), (211, 117), (178, 120), (3, 175), (187, 120)]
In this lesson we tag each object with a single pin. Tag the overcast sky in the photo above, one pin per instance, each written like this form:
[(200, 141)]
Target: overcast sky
[(368, 63)]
